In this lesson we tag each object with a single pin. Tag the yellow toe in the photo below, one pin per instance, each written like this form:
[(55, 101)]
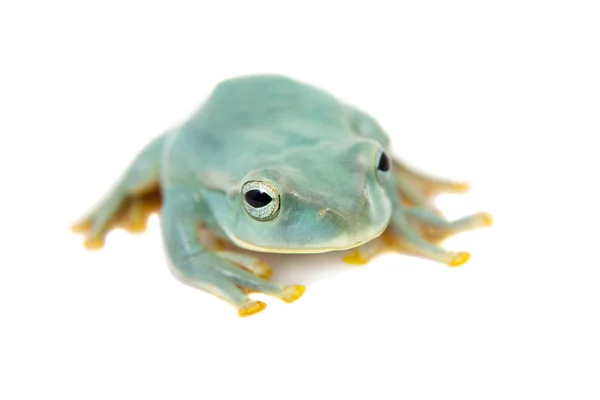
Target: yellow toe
[(292, 293), (355, 258), (263, 270), (80, 227), (93, 243), (486, 219), (136, 227), (459, 259), (460, 187), (251, 307)]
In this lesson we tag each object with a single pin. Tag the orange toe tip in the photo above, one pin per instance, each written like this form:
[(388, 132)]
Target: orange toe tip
[(460, 187), (264, 271), (266, 274), (459, 259), (136, 228), (355, 258), (292, 293), (79, 227), (251, 307), (94, 243), (486, 219)]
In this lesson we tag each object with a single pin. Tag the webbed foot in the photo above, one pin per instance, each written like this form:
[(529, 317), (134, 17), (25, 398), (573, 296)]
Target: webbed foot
[(289, 295), (418, 231), (130, 213), (417, 227), (226, 275)]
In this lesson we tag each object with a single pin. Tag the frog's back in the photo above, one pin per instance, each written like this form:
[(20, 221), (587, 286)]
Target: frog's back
[(249, 120), (269, 100)]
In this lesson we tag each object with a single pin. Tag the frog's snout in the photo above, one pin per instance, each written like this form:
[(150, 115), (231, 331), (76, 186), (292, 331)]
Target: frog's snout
[(351, 222), (339, 218), (335, 218), (329, 214), (352, 227)]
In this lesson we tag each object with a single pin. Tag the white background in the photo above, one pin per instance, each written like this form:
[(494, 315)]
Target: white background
[(505, 95)]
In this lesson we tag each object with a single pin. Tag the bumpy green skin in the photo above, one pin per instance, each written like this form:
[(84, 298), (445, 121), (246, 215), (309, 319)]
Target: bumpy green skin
[(321, 156)]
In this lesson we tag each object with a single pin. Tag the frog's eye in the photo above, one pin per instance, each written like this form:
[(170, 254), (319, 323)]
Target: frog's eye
[(383, 165), (260, 200), (384, 162)]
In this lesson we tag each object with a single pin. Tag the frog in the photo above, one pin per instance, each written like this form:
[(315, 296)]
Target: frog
[(270, 164)]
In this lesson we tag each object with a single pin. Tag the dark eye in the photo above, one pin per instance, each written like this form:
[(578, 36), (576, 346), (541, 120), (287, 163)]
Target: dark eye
[(384, 162), (260, 199), (257, 198)]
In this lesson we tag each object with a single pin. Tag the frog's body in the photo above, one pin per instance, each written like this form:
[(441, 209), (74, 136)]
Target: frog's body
[(275, 165)]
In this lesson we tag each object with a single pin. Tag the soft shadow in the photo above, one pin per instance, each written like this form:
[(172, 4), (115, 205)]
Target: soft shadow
[(306, 269), (302, 269)]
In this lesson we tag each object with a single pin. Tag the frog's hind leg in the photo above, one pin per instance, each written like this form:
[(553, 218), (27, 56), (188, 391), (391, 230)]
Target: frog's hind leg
[(404, 237), (417, 226), (128, 205), (436, 228), (418, 231), (418, 189)]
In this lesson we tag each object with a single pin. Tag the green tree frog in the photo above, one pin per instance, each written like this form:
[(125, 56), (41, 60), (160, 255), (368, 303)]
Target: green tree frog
[(270, 164)]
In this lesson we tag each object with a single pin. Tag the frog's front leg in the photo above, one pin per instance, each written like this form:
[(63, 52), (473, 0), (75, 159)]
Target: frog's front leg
[(213, 272), (252, 264)]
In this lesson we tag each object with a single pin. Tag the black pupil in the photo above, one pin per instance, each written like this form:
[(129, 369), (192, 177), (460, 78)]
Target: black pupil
[(384, 163), (257, 198)]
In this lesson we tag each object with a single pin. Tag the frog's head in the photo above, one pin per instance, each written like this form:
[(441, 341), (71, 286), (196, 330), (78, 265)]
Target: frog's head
[(311, 200)]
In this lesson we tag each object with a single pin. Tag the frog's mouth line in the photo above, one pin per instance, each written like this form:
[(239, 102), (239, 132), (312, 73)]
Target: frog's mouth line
[(249, 246)]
